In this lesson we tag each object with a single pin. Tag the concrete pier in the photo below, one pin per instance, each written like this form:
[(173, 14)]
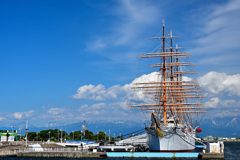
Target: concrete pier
[(151, 155), (62, 155), (211, 156)]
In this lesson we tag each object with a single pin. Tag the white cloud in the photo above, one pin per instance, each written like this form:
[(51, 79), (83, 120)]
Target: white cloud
[(97, 93), (22, 115), (56, 111), (18, 115), (217, 41), (123, 93), (100, 93), (212, 103), (132, 18), (216, 83)]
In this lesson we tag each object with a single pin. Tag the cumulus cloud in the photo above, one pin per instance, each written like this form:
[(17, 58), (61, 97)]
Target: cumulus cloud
[(216, 83), (112, 102), (56, 111), (101, 93), (213, 103), (213, 83), (97, 93), (22, 115), (18, 115)]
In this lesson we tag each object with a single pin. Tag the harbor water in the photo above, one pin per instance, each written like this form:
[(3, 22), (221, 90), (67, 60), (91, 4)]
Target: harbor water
[(231, 150)]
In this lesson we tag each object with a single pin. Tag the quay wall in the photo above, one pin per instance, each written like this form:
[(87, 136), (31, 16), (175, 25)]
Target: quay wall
[(62, 154)]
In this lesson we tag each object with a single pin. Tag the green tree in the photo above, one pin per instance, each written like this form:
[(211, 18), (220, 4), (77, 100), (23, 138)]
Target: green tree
[(101, 135), (89, 135), (113, 139), (32, 136)]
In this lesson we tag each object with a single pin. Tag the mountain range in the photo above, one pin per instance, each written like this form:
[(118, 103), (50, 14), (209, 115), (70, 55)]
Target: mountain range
[(217, 127)]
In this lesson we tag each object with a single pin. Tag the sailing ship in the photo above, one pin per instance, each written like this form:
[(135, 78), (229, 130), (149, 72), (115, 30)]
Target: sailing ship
[(175, 99)]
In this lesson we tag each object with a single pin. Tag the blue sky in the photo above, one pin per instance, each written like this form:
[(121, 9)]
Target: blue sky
[(68, 61)]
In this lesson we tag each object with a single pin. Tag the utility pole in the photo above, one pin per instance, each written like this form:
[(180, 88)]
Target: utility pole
[(58, 131), (49, 135), (12, 128), (61, 135), (26, 132), (65, 132), (81, 136), (20, 133), (109, 135), (61, 132)]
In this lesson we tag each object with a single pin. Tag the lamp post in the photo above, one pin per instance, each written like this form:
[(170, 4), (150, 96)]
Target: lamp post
[(20, 133), (12, 128), (37, 135), (26, 132), (49, 135), (61, 135), (81, 136), (73, 135), (97, 136), (105, 136)]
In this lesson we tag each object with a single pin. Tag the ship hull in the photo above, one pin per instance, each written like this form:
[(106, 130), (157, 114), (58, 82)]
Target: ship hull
[(172, 141)]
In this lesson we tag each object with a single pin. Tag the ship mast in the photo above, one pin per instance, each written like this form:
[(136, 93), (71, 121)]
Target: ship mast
[(172, 93), (164, 79)]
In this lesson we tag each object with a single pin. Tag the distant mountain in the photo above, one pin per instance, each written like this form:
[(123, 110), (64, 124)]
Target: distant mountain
[(221, 127), (123, 128), (217, 127)]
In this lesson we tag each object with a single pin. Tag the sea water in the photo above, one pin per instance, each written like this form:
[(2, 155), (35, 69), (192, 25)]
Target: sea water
[(231, 150)]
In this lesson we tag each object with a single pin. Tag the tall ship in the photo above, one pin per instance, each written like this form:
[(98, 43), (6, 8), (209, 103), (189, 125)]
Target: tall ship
[(173, 100)]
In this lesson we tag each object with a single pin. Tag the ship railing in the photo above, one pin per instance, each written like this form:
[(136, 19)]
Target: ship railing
[(59, 149)]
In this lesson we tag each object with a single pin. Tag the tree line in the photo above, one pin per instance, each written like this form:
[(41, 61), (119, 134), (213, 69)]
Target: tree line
[(56, 135)]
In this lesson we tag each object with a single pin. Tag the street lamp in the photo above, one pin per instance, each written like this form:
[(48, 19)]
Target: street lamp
[(97, 136), (73, 135), (20, 133), (81, 136), (37, 135), (61, 135), (49, 135), (12, 128)]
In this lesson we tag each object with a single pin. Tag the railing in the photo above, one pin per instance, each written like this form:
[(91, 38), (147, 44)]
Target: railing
[(50, 150)]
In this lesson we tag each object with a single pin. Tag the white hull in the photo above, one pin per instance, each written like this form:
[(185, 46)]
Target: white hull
[(172, 141)]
